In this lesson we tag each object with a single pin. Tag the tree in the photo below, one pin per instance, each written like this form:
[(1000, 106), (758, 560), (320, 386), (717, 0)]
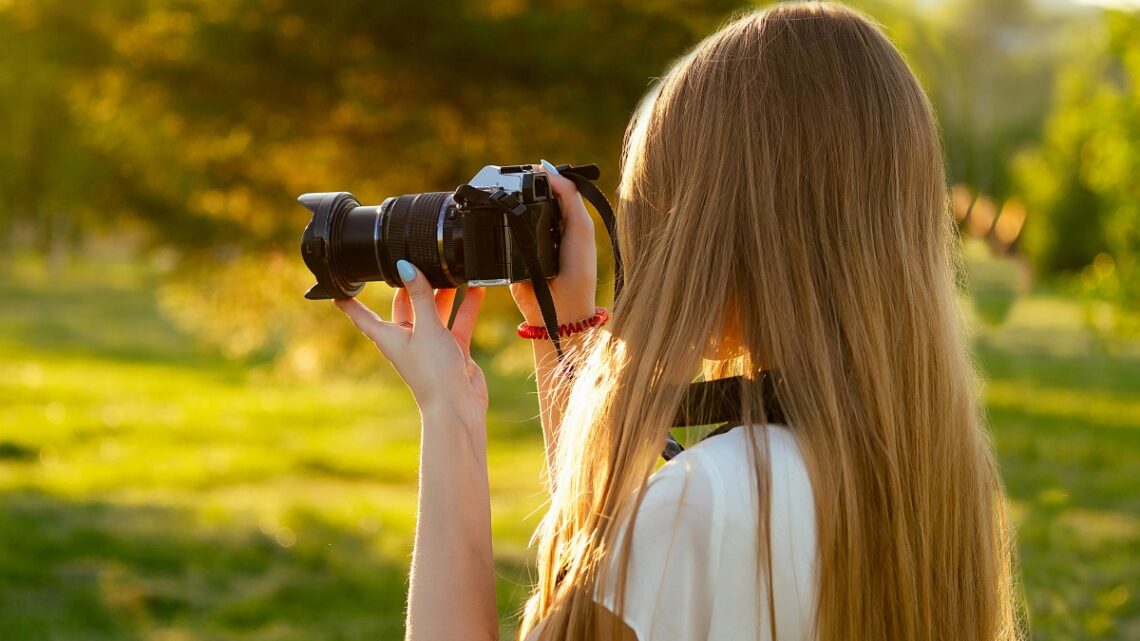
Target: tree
[(1081, 183), (194, 124)]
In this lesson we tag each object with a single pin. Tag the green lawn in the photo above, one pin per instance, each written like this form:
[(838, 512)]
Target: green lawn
[(151, 489)]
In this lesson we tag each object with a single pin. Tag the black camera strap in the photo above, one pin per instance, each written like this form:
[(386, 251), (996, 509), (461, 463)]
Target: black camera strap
[(704, 403), (522, 237), (583, 177)]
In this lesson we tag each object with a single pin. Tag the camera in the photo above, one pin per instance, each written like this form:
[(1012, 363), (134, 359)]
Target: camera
[(451, 238)]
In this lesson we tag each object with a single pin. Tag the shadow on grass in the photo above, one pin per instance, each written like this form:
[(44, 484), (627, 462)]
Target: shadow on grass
[(1047, 359), (98, 570), (1080, 445), (1084, 458)]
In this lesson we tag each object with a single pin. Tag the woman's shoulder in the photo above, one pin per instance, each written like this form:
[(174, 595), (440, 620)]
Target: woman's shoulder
[(731, 448), (727, 464), (731, 462), (696, 540)]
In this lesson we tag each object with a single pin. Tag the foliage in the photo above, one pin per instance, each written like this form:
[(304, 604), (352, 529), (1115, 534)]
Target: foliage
[(192, 125), (1082, 181), (988, 67), (188, 127)]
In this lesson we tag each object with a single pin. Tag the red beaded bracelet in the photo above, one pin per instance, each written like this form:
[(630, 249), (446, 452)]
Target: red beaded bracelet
[(539, 332)]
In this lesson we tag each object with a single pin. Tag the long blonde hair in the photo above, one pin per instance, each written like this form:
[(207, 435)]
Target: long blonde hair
[(786, 178)]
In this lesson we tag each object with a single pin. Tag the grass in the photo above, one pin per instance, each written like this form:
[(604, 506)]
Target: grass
[(1066, 421), (152, 489)]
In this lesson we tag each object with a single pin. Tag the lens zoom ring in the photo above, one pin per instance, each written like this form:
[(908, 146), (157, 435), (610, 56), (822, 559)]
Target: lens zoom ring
[(450, 256), (412, 234), (421, 238)]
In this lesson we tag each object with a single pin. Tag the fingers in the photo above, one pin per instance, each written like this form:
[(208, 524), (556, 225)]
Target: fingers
[(579, 254), (383, 333), (522, 291), (423, 298), (466, 316), (401, 307), (561, 185), (444, 301), (577, 219)]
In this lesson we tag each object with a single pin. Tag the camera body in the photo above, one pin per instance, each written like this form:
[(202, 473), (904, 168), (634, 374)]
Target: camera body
[(347, 244)]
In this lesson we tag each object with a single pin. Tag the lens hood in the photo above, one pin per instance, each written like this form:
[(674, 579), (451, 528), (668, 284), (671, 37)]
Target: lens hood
[(329, 210)]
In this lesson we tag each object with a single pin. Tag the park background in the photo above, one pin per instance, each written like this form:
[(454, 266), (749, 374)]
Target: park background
[(190, 450)]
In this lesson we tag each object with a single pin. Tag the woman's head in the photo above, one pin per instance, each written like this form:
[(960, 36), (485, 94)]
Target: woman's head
[(783, 186), (791, 155)]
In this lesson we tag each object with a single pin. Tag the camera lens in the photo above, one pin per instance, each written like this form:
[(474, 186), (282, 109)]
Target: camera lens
[(347, 244), (354, 249), (412, 228)]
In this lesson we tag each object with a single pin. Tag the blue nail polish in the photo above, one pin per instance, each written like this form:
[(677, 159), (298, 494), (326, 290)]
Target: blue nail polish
[(407, 271), (551, 169)]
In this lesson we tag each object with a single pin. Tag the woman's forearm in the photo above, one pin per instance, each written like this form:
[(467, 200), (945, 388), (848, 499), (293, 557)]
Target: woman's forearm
[(553, 389), (452, 586)]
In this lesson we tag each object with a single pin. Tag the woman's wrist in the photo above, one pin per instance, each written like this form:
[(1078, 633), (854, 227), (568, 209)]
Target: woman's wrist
[(569, 315), (571, 345), (454, 415), (561, 320)]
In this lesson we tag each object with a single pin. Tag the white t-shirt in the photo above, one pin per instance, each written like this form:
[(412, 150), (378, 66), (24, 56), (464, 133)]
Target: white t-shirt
[(693, 570)]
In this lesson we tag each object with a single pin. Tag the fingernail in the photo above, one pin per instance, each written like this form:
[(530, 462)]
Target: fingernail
[(549, 168), (407, 271)]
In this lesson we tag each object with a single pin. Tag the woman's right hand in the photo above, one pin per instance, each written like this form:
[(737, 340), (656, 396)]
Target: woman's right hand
[(574, 287)]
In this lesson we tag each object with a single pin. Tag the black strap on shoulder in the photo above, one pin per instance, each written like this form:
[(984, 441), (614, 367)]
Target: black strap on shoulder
[(720, 400)]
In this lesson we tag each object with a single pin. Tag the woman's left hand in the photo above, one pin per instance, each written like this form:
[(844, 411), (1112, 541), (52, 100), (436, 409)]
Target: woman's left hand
[(452, 580), (434, 362)]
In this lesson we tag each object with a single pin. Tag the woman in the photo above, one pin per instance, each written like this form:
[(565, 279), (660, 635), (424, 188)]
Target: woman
[(782, 209)]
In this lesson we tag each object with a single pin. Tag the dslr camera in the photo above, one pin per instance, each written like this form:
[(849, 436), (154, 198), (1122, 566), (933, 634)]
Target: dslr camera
[(451, 237)]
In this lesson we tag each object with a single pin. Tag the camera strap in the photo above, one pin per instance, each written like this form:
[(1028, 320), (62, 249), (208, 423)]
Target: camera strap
[(583, 177), (706, 402), (525, 243), (523, 239)]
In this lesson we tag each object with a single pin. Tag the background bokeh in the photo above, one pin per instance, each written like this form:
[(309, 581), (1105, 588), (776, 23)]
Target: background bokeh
[(189, 450)]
